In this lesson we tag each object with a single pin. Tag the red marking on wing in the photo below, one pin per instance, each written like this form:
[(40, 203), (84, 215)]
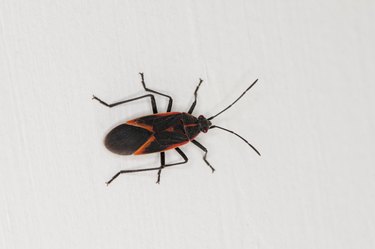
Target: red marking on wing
[(144, 146), (138, 121), (144, 126), (190, 125), (143, 149), (170, 129)]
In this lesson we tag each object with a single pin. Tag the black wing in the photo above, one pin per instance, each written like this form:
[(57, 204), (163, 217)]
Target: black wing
[(126, 139)]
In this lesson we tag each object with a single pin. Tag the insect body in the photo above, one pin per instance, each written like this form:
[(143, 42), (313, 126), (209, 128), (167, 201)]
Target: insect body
[(155, 133), (160, 132)]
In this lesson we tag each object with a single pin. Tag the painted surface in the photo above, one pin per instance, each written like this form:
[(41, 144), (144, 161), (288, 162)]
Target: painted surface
[(311, 115)]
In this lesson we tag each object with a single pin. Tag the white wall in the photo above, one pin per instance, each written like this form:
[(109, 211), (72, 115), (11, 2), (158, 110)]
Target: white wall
[(311, 115)]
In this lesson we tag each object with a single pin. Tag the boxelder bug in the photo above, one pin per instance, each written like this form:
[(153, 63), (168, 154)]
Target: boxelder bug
[(160, 132)]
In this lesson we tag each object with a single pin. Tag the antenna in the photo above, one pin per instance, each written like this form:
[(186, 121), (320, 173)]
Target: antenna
[(215, 126), (234, 101)]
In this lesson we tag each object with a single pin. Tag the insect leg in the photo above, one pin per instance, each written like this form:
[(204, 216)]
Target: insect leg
[(195, 97), (205, 154), (169, 108), (149, 169), (162, 162), (153, 102)]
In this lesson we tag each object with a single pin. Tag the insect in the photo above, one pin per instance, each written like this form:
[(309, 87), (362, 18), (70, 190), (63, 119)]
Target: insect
[(159, 132)]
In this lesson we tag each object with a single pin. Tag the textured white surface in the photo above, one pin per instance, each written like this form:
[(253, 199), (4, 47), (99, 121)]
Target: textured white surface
[(311, 115)]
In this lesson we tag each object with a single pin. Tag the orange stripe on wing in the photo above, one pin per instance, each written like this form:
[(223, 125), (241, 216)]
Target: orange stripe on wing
[(190, 125), (144, 146), (144, 126), (152, 139)]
